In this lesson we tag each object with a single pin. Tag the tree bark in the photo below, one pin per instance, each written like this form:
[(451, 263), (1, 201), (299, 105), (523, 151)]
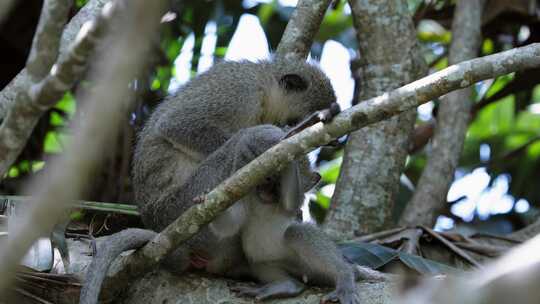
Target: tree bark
[(302, 28), (452, 122), (374, 156)]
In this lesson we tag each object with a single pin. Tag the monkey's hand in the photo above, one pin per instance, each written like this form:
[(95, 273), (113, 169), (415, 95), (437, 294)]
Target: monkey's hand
[(325, 116)]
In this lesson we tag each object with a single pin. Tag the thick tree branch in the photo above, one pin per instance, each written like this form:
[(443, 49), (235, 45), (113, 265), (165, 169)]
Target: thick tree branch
[(302, 28), (22, 81), (69, 174), (365, 113), (452, 122), (374, 157), (48, 85)]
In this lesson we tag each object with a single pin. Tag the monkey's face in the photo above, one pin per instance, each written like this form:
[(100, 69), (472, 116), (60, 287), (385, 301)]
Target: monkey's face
[(304, 90)]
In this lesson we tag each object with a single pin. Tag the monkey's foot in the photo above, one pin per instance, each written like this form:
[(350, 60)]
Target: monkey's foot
[(282, 289), (342, 297)]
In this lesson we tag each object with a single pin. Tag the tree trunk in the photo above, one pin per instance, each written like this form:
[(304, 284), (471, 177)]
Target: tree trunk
[(375, 156)]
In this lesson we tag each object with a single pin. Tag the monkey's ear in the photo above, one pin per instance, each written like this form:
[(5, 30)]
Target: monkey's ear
[(293, 82)]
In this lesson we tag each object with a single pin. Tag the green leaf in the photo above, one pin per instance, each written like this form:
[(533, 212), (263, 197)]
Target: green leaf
[(67, 104), (37, 165), (13, 172), (56, 120), (330, 171), (376, 256), (495, 119), (323, 200), (334, 23), (432, 31), (487, 47), (54, 142), (80, 3), (264, 13), (441, 64)]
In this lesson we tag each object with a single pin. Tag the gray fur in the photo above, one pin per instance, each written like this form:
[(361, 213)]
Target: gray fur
[(188, 126), (214, 125), (283, 252)]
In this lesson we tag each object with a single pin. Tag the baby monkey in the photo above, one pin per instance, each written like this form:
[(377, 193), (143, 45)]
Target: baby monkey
[(282, 252)]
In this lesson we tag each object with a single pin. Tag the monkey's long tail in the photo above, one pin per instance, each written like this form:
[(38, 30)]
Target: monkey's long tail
[(107, 251)]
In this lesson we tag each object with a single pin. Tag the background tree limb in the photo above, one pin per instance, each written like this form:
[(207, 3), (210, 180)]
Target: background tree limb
[(22, 80), (45, 45), (452, 123), (47, 86), (301, 29)]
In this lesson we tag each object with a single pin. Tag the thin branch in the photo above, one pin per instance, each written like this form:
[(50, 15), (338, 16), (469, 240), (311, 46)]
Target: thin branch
[(370, 111), (115, 69), (379, 235), (302, 28), (29, 105), (451, 246), (22, 81), (452, 122), (46, 43)]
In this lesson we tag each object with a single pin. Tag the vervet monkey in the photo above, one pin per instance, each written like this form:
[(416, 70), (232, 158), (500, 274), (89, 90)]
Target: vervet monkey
[(217, 123)]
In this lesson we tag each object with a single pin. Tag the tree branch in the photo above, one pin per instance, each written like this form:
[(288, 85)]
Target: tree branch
[(69, 174), (302, 28), (22, 81), (365, 113), (46, 42), (48, 85), (452, 122)]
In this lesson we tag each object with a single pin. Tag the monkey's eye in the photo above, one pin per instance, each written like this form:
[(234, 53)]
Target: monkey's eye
[(293, 82)]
